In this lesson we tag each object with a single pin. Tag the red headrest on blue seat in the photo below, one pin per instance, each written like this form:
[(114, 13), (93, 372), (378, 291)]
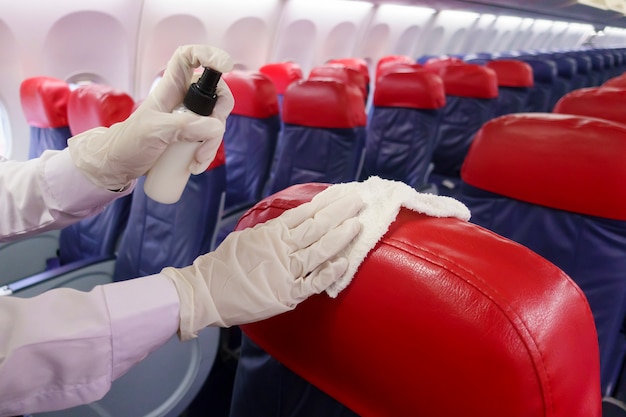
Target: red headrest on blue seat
[(512, 72), (358, 64), (282, 74), (566, 162), (44, 101), (255, 94), (601, 102), (95, 105), (443, 318), (417, 88), (390, 60), (323, 103), (469, 80), (341, 73)]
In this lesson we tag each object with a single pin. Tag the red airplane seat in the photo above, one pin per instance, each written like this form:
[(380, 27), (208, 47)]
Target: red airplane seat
[(44, 104), (471, 99), (322, 137), (601, 102), (403, 124), (282, 74), (443, 318), (553, 182), (392, 60), (617, 82), (515, 80)]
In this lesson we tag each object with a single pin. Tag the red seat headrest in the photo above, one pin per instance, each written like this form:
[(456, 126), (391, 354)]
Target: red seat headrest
[(469, 80), (617, 82), (255, 94), (391, 60), (391, 66), (566, 162), (340, 73), (282, 74), (323, 103), (601, 102), (443, 318), (512, 73), (44, 101), (418, 89), (96, 105), (358, 64), (437, 64), (220, 158)]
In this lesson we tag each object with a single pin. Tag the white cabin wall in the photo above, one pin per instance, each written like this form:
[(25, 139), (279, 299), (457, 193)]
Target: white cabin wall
[(244, 28)]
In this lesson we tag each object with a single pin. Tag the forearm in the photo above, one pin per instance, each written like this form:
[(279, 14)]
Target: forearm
[(65, 347), (47, 193)]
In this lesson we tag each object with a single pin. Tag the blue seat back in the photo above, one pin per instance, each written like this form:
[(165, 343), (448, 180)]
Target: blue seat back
[(515, 80), (322, 137), (44, 103), (402, 125), (552, 183), (544, 73), (250, 139), (159, 235)]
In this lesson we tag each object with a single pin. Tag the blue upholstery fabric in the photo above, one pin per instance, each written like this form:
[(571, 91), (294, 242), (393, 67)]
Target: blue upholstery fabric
[(544, 72), (249, 144), (461, 119), (400, 144), (159, 235), (511, 100), (589, 249), (95, 236), (311, 154), (43, 138)]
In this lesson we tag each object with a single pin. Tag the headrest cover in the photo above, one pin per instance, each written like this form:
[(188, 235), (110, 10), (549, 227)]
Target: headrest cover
[(255, 94), (341, 73), (601, 102), (95, 105), (44, 101), (282, 74), (470, 80), (438, 63), (616, 82), (469, 306), (418, 89), (512, 73), (358, 64), (323, 103), (387, 60), (543, 71), (566, 162), (396, 66)]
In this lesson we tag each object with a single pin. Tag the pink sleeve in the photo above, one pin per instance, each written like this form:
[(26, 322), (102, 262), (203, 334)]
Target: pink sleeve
[(65, 347), (45, 193)]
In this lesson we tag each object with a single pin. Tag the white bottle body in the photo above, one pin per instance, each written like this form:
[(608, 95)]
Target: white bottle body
[(166, 180)]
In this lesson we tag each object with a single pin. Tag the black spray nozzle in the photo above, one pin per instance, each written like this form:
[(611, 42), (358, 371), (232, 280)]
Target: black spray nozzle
[(201, 96)]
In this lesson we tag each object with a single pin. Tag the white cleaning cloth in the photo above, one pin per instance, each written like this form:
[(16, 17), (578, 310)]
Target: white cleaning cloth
[(383, 199)]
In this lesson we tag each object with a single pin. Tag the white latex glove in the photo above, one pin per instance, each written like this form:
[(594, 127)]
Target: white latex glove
[(266, 270), (112, 157)]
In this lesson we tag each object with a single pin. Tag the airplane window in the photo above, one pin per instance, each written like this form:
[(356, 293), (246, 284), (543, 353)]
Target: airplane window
[(5, 132)]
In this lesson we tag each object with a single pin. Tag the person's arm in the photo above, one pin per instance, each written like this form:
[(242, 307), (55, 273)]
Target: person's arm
[(47, 193), (64, 347)]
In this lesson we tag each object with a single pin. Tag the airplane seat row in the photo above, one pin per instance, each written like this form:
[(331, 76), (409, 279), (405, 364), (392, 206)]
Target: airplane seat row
[(402, 125), (549, 182), (321, 139), (491, 328), (44, 104)]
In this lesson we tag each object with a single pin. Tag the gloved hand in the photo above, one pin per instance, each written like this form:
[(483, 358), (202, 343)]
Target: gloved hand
[(266, 270), (112, 157)]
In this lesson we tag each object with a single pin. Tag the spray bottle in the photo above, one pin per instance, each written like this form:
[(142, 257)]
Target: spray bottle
[(167, 178)]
